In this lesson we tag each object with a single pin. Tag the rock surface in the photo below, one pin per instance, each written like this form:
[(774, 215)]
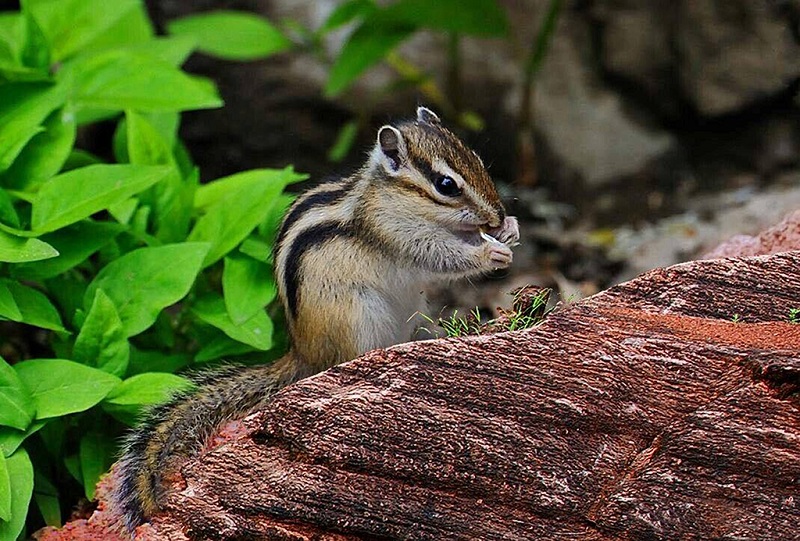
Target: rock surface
[(773, 240), (575, 111), (705, 225), (644, 412), (720, 57)]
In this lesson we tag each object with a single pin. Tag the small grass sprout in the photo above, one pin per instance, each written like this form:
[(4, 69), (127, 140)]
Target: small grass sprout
[(794, 315), (454, 325), (530, 308)]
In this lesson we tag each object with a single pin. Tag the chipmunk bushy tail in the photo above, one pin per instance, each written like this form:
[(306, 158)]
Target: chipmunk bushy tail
[(177, 430), (352, 260)]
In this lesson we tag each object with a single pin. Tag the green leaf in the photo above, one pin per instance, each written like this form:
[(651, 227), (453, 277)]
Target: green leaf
[(21, 45), (15, 249), (20, 472), (255, 332), (14, 73), (368, 45), (344, 142), (146, 145), (80, 158), (23, 107), (96, 454), (131, 397), (117, 79), (172, 199), (346, 12), (248, 286), (256, 248), (232, 35), (8, 214), (133, 28), (123, 212), (475, 17), (66, 291), (72, 245), (185, 163), (45, 494), (34, 307), (8, 306), (5, 491), (11, 438), (174, 206), (210, 193), (235, 205), (143, 282), (60, 387), (220, 346), (35, 49), (101, 342), (45, 154), (16, 403), (78, 194), (154, 360), (69, 25), (54, 435), (268, 230), (172, 50), (73, 465), (11, 30)]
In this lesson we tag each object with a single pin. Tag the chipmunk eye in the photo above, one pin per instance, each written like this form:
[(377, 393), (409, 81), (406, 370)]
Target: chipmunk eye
[(446, 186)]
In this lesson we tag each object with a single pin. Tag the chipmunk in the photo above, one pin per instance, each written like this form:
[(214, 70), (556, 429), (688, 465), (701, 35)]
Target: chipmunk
[(352, 259)]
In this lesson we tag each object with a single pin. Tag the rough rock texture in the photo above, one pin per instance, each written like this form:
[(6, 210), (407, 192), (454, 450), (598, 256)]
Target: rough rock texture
[(644, 412)]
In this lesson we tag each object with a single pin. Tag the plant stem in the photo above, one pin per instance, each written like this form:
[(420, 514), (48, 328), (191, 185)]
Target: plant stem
[(526, 173)]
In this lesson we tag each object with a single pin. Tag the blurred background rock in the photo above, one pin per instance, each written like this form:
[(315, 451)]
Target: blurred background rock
[(654, 129)]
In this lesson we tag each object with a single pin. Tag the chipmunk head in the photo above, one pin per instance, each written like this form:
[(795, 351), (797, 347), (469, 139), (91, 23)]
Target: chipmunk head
[(446, 180)]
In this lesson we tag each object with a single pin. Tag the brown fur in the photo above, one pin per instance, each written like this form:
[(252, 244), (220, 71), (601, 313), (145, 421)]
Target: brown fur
[(351, 260)]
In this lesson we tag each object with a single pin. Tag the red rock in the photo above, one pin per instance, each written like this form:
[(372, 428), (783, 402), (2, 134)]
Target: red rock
[(667, 407), (782, 237)]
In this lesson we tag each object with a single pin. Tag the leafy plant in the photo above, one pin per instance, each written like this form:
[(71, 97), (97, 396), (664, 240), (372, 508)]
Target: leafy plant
[(117, 271), (375, 33), (114, 274), (794, 315)]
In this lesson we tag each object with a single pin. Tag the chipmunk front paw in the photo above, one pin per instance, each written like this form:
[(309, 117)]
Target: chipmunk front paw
[(497, 255), (508, 232)]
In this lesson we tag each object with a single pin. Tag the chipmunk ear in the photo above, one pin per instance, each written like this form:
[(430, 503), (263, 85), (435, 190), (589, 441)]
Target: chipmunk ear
[(392, 148), (427, 116)]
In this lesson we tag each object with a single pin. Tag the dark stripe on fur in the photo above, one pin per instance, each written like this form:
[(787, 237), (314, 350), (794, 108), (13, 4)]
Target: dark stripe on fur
[(308, 239), (424, 167), (316, 199)]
